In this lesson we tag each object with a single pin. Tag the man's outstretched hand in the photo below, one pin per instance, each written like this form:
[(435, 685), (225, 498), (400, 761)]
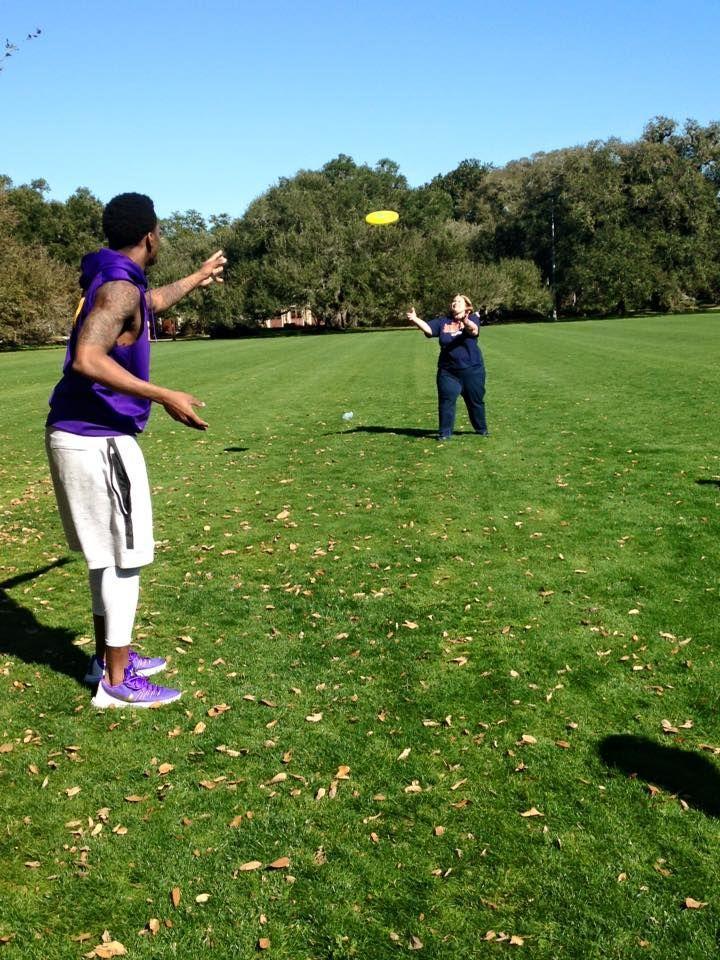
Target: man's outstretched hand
[(212, 269), (180, 406)]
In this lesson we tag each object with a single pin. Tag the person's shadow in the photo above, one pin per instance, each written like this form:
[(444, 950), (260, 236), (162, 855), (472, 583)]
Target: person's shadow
[(400, 431), (708, 482), (24, 637), (691, 776)]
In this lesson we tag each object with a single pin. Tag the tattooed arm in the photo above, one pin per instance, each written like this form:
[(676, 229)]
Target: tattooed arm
[(209, 272), (115, 318)]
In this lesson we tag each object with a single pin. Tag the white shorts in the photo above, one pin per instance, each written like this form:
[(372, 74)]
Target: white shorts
[(103, 497)]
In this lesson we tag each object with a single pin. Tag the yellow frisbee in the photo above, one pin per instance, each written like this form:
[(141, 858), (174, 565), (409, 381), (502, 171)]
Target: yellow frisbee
[(379, 218)]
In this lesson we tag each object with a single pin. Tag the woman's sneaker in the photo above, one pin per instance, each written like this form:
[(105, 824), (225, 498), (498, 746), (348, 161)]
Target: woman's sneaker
[(142, 666), (134, 691)]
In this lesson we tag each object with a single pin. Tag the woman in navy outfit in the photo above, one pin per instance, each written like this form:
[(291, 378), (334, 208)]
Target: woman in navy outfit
[(460, 365)]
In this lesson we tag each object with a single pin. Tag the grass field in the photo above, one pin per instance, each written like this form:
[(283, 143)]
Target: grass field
[(470, 690)]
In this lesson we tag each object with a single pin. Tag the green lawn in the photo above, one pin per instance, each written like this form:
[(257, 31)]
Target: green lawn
[(476, 629)]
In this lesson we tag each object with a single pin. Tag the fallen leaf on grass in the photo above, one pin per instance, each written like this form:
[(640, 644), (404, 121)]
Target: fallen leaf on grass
[(282, 863), (165, 768), (690, 904), (314, 718), (200, 727), (73, 791), (105, 951), (414, 787), (7, 747), (202, 898), (532, 812), (343, 772), (415, 943), (250, 865), (218, 709), (134, 798), (405, 753), (175, 897), (236, 821), (264, 943)]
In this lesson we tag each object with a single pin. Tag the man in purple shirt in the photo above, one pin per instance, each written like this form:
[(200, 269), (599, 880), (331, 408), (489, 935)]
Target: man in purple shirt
[(101, 402)]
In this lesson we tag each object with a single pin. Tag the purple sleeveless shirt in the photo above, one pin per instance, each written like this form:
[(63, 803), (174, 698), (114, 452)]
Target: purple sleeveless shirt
[(78, 404)]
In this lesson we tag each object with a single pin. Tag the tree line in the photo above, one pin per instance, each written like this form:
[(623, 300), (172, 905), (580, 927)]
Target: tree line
[(606, 228)]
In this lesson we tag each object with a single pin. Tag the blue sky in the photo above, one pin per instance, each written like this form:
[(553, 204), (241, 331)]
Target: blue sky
[(204, 105)]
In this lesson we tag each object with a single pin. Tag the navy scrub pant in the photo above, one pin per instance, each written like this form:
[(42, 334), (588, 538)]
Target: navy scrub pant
[(468, 383)]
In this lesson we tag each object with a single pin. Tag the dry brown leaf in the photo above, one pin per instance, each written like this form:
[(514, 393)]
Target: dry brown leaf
[(528, 738), (200, 727), (690, 904), (438, 831), (282, 863), (532, 812), (516, 941), (264, 943), (202, 898), (73, 791), (134, 798), (165, 768), (250, 865), (343, 772), (105, 951), (175, 897), (415, 943), (153, 925), (7, 747), (405, 753), (278, 778), (314, 718), (218, 709), (236, 821), (414, 787)]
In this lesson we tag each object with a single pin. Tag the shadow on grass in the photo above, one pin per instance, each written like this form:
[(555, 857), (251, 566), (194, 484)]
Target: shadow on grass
[(401, 431), (235, 449), (707, 482), (24, 637), (689, 775)]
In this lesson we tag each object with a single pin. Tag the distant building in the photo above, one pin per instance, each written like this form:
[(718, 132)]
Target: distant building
[(292, 317)]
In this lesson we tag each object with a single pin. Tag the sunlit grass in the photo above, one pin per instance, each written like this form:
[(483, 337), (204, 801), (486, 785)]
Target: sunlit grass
[(556, 580)]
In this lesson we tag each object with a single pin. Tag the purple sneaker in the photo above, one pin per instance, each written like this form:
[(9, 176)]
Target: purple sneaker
[(142, 666), (134, 691)]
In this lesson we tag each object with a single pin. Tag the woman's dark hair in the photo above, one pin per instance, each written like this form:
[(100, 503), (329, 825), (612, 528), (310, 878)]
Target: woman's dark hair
[(127, 218)]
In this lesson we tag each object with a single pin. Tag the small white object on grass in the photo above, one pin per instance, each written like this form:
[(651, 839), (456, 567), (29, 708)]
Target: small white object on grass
[(348, 415)]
